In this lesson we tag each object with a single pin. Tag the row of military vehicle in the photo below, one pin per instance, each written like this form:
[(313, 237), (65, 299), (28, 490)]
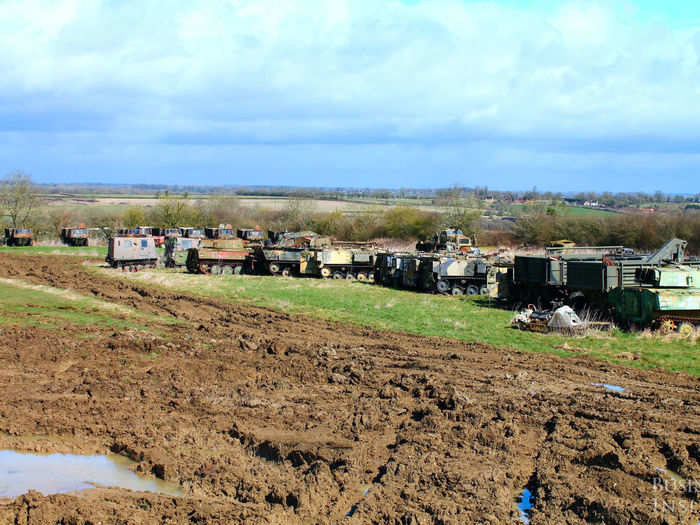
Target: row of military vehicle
[(453, 270)]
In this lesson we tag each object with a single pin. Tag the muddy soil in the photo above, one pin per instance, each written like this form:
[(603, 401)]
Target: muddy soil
[(264, 417)]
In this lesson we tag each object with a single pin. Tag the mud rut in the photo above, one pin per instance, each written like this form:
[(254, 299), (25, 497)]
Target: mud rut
[(264, 417)]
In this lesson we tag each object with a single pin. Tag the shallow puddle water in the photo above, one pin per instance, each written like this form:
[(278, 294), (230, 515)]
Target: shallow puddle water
[(57, 473), (614, 388), (524, 505)]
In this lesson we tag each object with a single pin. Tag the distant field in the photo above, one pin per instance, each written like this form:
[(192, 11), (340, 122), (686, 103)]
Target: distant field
[(566, 211)]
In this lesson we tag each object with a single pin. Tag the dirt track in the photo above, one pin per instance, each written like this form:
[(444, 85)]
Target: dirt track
[(264, 417)]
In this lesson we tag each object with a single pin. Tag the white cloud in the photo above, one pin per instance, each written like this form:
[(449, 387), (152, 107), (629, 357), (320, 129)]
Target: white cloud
[(348, 71)]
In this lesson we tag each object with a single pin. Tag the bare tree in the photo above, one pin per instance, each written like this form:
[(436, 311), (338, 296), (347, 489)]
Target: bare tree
[(18, 198)]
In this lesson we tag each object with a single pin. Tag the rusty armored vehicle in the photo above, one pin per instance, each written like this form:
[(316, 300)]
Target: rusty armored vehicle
[(220, 256), (132, 253), (75, 236), (285, 256), (19, 237)]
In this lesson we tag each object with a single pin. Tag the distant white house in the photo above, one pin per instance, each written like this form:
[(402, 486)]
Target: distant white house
[(591, 204)]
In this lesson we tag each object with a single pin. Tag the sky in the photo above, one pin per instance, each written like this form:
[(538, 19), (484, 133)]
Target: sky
[(510, 94)]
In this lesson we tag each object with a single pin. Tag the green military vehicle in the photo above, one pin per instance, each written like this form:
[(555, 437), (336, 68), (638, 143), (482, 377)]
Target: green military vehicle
[(457, 275), (451, 240), (286, 255), (338, 263)]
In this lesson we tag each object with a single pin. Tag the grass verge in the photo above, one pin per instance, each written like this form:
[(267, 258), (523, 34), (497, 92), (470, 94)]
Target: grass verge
[(462, 318)]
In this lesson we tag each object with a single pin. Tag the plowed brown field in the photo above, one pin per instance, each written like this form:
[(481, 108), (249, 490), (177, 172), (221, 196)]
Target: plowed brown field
[(264, 417)]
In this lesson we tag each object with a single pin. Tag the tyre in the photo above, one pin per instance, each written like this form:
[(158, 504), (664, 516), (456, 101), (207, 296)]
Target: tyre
[(338, 275), (361, 276), (472, 289), (349, 276), (215, 269), (287, 272), (238, 270), (274, 268), (370, 277), (442, 286), (457, 291), (227, 270), (484, 290), (685, 329), (325, 273)]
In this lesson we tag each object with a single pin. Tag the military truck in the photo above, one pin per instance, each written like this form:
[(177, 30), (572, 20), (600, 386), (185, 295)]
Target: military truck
[(75, 236), (220, 256), (449, 240), (131, 253), (19, 237)]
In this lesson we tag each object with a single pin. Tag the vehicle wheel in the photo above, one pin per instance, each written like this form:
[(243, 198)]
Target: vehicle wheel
[(227, 270), (238, 270), (668, 326), (361, 276), (472, 289), (685, 329), (204, 268), (442, 286), (325, 273), (349, 276), (484, 290), (215, 269), (274, 268), (287, 272), (338, 275), (457, 291), (370, 277)]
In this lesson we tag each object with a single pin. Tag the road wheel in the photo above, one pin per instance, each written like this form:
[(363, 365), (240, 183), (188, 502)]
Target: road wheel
[(215, 269), (685, 329), (227, 270), (442, 286), (274, 268), (668, 326), (204, 268), (349, 276), (370, 277), (338, 275), (238, 270), (484, 290), (325, 273), (287, 272), (472, 289), (361, 276), (457, 291)]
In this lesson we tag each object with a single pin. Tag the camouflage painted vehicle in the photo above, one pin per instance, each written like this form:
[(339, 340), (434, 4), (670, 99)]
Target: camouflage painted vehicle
[(451, 240), (19, 237), (387, 267), (338, 263), (289, 251), (131, 253), (176, 249), (75, 236), (219, 256), (457, 275), (251, 236)]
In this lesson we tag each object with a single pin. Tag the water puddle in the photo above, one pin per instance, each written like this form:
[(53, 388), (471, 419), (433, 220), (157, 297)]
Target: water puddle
[(614, 388), (57, 473), (524, 505)]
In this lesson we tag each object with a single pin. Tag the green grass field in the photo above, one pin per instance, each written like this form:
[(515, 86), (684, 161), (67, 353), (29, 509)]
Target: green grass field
[(564, 211), (79, 251), (25, 304), (464, 318)]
